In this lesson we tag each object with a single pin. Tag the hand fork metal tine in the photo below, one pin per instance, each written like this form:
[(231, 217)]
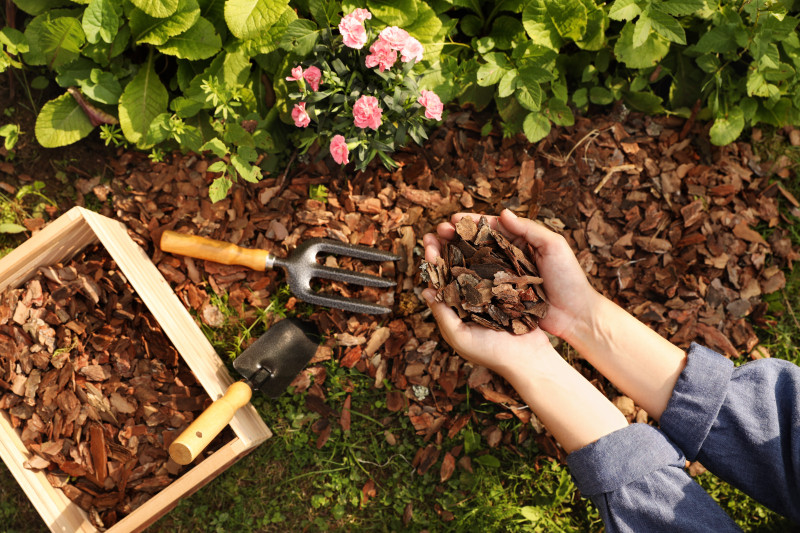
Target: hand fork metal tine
[(301, 267)]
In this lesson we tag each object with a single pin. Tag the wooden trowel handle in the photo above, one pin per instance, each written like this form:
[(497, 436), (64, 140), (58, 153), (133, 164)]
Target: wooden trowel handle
[(213, 250), (205, 427)]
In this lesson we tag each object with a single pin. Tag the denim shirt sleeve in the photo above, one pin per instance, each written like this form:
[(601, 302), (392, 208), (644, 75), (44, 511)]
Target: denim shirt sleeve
[(636, 478), (742, 424)]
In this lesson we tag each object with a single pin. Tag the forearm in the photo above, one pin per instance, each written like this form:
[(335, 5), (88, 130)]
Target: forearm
[(637, 360), (570, 407)]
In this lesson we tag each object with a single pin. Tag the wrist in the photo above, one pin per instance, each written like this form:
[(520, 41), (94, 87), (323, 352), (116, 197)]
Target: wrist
[(587, 327)]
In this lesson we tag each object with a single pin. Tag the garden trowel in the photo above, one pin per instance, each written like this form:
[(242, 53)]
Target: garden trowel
[(269, 365)]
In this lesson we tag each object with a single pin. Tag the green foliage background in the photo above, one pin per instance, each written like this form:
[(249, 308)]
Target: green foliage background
[(189, 73)]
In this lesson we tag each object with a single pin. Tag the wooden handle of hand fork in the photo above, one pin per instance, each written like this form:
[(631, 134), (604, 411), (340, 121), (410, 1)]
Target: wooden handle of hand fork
[(208, 425), (213, 250)]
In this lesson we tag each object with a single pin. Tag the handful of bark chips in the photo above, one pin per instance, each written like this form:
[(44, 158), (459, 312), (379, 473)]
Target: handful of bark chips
[(95, 386), (488, 280)]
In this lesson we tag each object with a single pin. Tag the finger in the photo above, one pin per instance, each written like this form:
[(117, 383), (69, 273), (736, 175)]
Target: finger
[(539, 236), (433, 248), (446, 231), (449, 324)]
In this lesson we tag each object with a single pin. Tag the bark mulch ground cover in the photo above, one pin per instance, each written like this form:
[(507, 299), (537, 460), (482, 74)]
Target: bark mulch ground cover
[(663, 223)]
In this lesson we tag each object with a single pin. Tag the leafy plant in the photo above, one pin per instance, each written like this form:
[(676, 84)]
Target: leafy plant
[(12, 43), (29, 201), (358, 88), (10, 134), (144, 71)]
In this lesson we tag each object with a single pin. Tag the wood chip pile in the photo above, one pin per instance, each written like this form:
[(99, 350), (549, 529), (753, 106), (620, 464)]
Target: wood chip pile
[(488, 280), (95, 386), (662, 222)]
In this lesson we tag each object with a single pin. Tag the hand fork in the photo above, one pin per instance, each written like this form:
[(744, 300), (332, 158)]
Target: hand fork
[(301, 266)]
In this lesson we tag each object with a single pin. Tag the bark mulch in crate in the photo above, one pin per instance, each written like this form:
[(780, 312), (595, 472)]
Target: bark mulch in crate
[(95, 386), (663, 223)]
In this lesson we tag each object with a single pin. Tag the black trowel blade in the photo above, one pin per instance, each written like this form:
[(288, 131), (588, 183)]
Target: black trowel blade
[(275, 359)]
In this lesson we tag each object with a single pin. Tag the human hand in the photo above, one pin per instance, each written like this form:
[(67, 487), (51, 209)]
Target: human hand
[(569, 293)]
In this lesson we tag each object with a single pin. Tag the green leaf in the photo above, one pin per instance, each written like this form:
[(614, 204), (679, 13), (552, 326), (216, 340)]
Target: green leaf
[(143, 99), (427, 27), (157, 31), (37, 7), (10, 227), (727, 129), (102, 52), (641, 30), (101, 20), (249, 19), (217, 166), (549, 22), (490, 73), (624, 10), (532, 514), (594, 38), (487, 460), (219, 189), (506, 31), (680, 8), (600, 96), (201, 41), (559, 112), (246, 170), (14, 41), (269, 40), (529, 96), (216, 147), (536, 126), (157, 8), (666, 26), (300, 37), (644, 56), (394, 12), (507, 84), (61, 122), (644, 102), (718, 40), (102, 87), (56, 42)]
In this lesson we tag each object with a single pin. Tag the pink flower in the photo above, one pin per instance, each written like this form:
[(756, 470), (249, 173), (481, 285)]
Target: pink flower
[(353, 32), (412, 50), (339, 150), (297, 74), (367, 112), (381, 54), (395, 36), (312, 75), (300, 116), (433, 105), (361, 14)]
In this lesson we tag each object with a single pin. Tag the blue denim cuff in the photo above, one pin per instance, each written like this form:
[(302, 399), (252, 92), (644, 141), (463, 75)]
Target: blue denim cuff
[(622, 457), (696, 399)]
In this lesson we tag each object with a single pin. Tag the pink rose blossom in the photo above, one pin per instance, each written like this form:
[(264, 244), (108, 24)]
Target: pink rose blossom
[(339, 150), (361, 14), (300, 116), (353, 32), (412, 50), (297, 74), (395, 36), (381, 55), (367, 112), (313, 75), (433, 105)]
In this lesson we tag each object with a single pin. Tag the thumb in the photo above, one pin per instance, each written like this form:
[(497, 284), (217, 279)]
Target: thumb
[(533, 232), (448, 320)]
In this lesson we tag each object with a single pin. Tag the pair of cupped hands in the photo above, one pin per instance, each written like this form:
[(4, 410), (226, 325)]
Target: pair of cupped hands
[(567, 289)]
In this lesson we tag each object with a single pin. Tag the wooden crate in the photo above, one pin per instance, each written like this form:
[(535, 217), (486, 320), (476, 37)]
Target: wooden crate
[(58, 242)]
